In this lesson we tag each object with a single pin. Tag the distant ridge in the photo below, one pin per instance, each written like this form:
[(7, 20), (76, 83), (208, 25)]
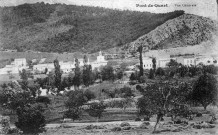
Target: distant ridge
[(186, 30)]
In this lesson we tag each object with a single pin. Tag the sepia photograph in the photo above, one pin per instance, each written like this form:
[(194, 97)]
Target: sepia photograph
[(108, 67)]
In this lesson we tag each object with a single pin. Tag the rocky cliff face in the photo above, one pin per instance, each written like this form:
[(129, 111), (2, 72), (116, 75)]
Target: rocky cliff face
[(186, 30)]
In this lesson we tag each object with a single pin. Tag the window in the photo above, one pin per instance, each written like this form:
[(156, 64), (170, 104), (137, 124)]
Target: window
[(208, 61), (187, 61), (190, 61)]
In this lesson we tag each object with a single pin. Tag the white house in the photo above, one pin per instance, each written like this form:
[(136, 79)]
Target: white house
[(21, 62), (206, 60), (189, 60), (15, 66), (99, 62), (147, 63), (67, 67), (163, 62), (41, 67)]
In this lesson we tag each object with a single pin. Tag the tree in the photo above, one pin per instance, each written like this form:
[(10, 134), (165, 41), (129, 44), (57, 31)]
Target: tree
[(87, 75), (140, 49), (154, 64), (77, 79), (160, 71), (57, 75), (24, 78), (182, 70), (205, 90), (151, 74), (133, 77), (119, 74), (162, 95), (210, 69), (30, 119), (172, 63), (107, 73), (96, 109), (125, 92)]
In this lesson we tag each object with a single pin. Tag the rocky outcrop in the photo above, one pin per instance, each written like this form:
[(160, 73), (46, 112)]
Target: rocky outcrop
[(186, 30)]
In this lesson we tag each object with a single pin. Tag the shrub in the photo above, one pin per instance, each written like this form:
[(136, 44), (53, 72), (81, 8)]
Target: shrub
[(30, 119), (142, 79), (151, 74), (160, 72), (133, 77), (205, 90), (96, 109), (73, 113), (43, 99), (123, 124), (89, 94)]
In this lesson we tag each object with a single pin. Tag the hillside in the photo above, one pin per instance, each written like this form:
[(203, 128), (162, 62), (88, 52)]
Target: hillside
[(70, 28), (186, 30)]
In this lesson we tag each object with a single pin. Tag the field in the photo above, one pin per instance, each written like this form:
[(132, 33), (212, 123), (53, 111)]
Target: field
[(105, 128)]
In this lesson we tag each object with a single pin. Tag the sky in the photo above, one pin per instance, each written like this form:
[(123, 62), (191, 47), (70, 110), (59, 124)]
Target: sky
[(206, 8)]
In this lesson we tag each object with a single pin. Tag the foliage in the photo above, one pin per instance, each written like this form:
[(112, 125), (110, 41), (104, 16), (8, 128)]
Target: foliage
[(140, 49), (142, 79), (124, 92), (87, 75), (205, 90), (182, 70), (119, 74), (75, 99), (30, 119), (193, 70), (57, 75), (107, 73), (89, 94), (133, 77), (77, 79), (96, 109), (210, 69), (172, 63), (151, 74), (43, 100), (14, 97), (160, 72), (159, 97), (73, 113), (154, 64)]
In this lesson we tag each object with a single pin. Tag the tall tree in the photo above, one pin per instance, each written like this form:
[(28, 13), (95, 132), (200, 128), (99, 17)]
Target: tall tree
[(57, 75), (140, 49), (77, 79), (87, 75), (154, 64)]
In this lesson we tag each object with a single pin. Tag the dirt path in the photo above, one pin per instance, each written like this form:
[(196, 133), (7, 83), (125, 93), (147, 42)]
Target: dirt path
[(132, 123)]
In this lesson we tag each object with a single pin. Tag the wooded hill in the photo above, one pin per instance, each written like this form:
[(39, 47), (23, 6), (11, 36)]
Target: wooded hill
[(69, 28)]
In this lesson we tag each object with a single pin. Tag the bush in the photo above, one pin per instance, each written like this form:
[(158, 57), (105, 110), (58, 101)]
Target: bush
[(160, 72), (30, 119), (137, 119), (73, 113), (43, 99), (142, 79), (133, 77), (151, 74), (89, 94), (96, 109), (123, 124), (205, 90)]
